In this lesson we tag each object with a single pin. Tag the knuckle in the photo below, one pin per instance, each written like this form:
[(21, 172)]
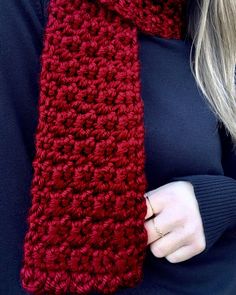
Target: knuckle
[(172, 258), (179, 218), (200, 245), (191, 231), (157, 251), (171, 196)]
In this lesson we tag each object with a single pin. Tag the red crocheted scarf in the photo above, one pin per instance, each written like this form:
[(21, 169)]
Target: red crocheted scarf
[(86, 222)]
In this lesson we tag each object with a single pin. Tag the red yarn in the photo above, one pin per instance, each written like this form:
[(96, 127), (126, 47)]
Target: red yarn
[(86, 223)]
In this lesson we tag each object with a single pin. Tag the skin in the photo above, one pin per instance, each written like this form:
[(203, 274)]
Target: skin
[(177, 215)]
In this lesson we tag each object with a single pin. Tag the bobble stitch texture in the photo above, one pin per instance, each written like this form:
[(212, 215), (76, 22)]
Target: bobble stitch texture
[(86, 222)]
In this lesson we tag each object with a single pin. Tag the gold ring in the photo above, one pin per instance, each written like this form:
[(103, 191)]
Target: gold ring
[(156, 228), (146, 196)]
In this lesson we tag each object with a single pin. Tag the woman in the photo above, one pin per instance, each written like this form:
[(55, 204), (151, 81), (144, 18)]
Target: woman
[(189, 210)]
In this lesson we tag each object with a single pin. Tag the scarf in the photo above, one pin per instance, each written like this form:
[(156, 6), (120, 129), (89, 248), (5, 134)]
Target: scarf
[(86, 222)]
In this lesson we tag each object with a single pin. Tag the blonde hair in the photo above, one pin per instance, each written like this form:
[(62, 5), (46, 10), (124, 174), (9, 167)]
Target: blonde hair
[(212, 27)]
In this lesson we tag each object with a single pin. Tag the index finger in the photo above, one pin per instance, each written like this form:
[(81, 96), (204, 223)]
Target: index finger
[(153, 203)]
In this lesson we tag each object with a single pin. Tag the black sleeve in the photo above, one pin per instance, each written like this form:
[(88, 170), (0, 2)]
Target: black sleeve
[(21, 34), (216, 194)]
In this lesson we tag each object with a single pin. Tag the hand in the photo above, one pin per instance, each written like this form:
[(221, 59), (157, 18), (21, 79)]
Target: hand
[(178, 217)]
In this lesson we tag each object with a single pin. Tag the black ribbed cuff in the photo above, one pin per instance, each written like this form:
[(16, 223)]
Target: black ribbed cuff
[(216, 196)]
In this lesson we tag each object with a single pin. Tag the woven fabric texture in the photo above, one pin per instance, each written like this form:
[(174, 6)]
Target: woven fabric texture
[(86, 223)]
